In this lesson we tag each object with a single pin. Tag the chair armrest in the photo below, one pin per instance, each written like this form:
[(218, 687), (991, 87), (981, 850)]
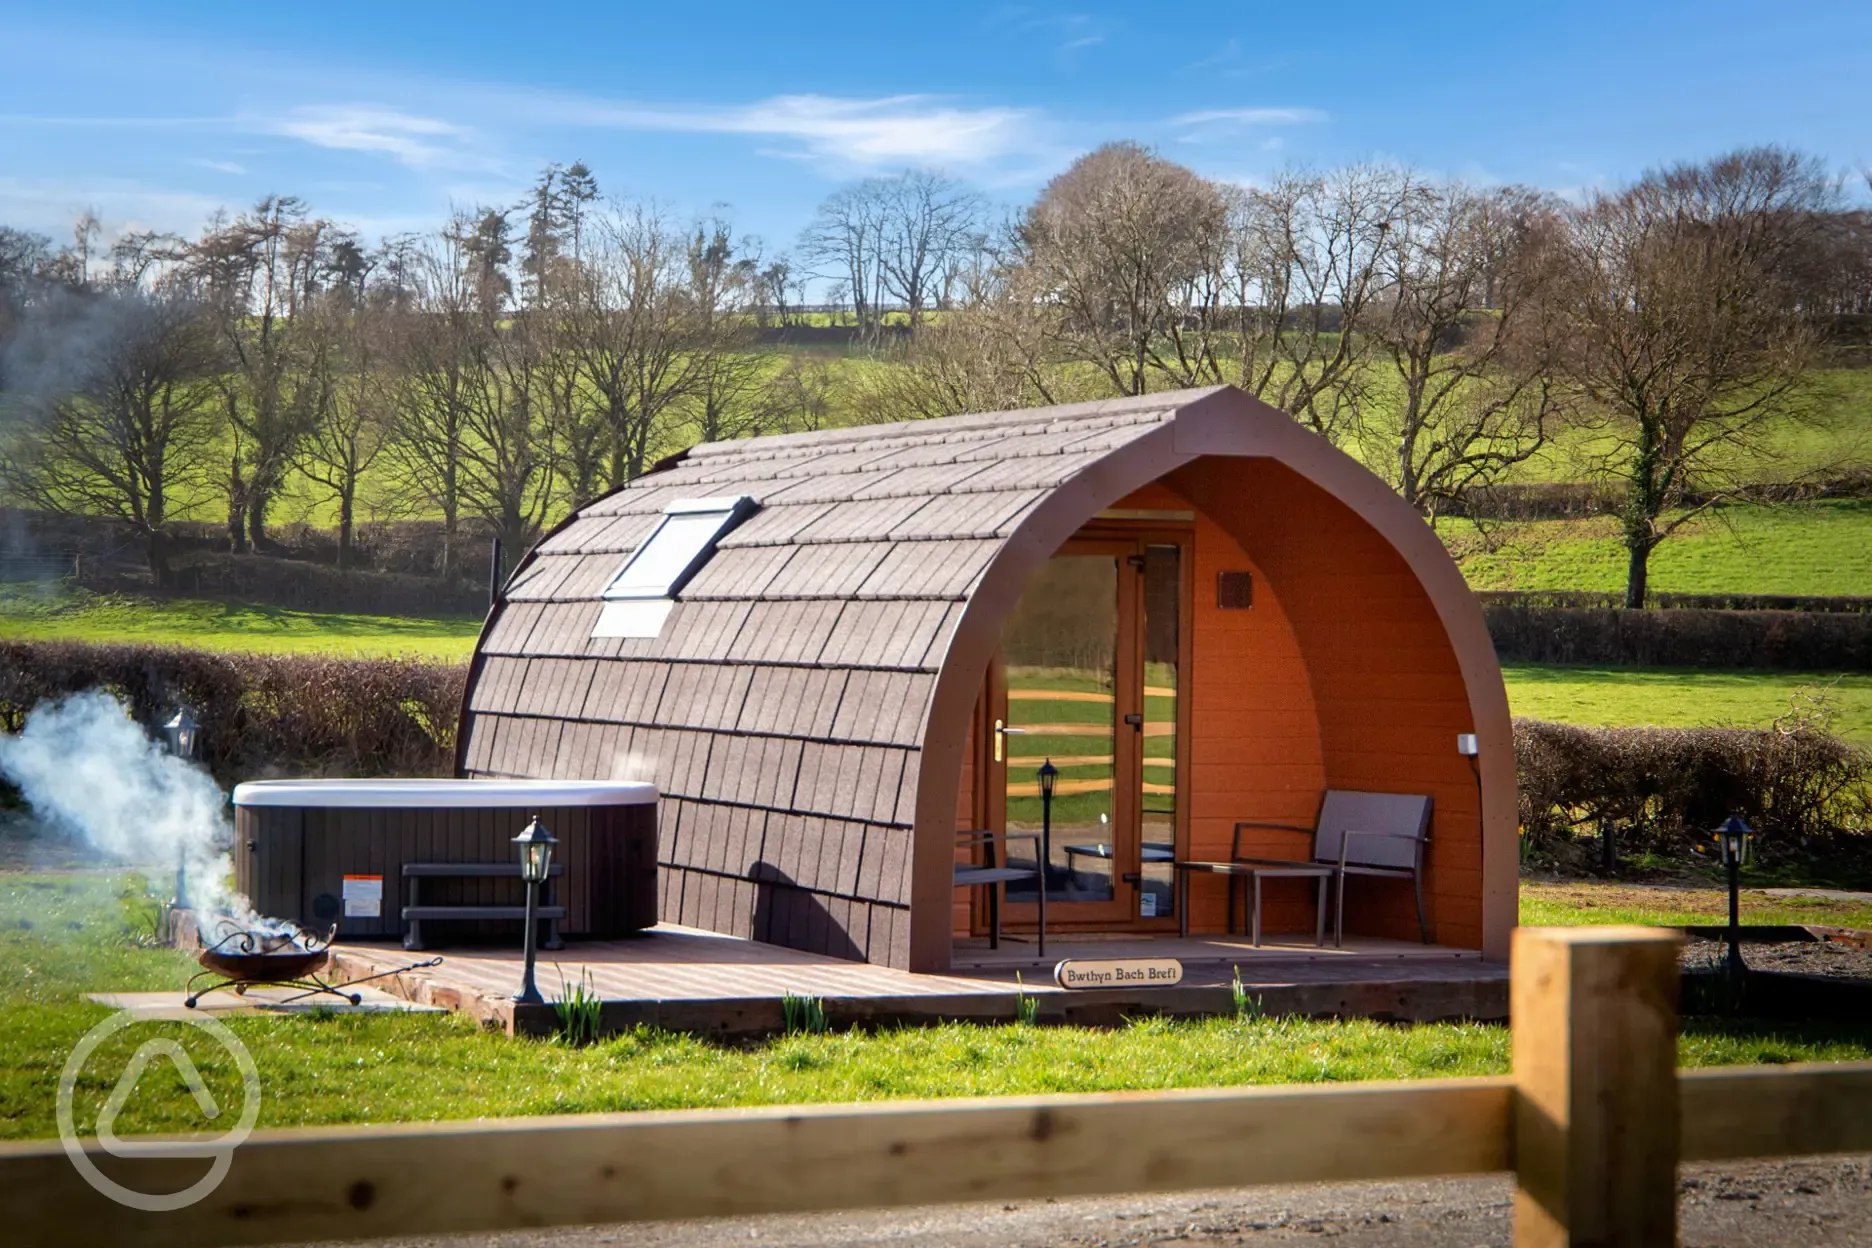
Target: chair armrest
[(1278, 827)]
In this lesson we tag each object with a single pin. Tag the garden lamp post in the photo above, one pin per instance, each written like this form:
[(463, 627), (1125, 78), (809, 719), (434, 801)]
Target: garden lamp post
[(1049, 776), (1734, 838), (536, 848), (181, 734)]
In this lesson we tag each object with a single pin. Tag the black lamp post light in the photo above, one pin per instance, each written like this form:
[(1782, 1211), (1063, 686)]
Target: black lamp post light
[(182, 735), (1734, 837), (1049, 777), (536, 849)]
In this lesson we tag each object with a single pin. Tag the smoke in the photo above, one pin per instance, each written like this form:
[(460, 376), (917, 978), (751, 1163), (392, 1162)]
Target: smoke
[(89, 771), (633, 765)]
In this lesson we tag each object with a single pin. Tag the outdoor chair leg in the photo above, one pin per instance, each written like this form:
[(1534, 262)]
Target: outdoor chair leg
[(1319, 919), (1338, 937), (994, 915), (1423, 925), (1255, 913)]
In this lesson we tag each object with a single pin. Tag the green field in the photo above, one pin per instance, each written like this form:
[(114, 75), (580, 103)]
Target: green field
[(1811, 548), (1571, 903), (1685, 698), (213, 625), (62, 936), (1577, 695)]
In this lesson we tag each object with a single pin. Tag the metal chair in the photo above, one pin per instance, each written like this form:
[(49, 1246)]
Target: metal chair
[(995, 878), (1380, 835)]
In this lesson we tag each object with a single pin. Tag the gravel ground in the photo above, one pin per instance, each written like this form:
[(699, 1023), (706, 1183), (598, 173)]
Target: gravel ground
[(1812, 1202), (1801, 957)]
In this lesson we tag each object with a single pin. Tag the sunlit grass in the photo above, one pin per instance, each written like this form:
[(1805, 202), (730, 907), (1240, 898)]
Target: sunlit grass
[(76, 615), (1820, 548), (65, 935), (1684, 697)]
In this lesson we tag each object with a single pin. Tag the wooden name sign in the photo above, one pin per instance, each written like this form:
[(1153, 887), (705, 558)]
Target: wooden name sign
[(1118, 973)]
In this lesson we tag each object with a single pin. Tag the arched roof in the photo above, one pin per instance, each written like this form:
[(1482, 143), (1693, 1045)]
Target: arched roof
[(793, 691)]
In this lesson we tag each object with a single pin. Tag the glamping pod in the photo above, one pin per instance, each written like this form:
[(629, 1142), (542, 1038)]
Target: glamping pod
[(1114, 644)]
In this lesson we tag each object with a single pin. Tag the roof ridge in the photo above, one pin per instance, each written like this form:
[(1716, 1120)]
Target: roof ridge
[(1163, 400)]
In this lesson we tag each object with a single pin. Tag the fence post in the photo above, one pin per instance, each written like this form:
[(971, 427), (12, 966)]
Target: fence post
[(1594, 1013)]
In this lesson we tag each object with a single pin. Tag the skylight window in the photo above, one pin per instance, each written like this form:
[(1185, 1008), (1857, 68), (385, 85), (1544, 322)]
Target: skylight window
[(640, 596)]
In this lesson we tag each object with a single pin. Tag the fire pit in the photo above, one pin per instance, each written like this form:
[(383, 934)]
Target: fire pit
[(284, 957)]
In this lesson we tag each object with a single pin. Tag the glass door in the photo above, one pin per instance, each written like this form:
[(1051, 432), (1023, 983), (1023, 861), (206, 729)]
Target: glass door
[(1063, 653), (1089, 682)]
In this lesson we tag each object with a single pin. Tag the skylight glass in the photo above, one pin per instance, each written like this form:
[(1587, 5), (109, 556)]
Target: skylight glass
[(678, 547)]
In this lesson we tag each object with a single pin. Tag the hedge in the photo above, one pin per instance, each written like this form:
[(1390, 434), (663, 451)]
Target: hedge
[(1850, 604), (260, 715), (271, 715), (1797, 640), (1665, 789)]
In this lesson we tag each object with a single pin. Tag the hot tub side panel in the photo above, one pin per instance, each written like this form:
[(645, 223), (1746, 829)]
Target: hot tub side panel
[(269, 860), (293, 862)]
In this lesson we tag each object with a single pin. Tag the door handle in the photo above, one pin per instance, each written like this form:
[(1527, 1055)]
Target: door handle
[(1132, 877), (1002, 730)]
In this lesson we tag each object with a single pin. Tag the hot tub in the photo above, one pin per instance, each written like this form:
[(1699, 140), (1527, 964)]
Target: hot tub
[(332, 851)]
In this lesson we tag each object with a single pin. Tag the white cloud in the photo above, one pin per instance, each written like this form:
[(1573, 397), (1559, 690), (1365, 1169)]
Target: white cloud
[(1250, 117), (417, 141), (900, 129), (50, 205), (217, 166)]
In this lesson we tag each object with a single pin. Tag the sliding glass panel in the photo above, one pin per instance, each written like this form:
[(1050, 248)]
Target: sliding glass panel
[(1061, 650), (1162, 635)]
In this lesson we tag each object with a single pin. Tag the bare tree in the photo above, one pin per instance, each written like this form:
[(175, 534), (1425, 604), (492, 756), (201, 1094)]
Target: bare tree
[(120, 398), (1680, 310), (988, 352), (844, 244), (729, 396), (1113, 244), (926, 222), (803, 396), (1306, 267), (635, 333), (1461, 333), (432, 341), (354, 425), (259, 272)]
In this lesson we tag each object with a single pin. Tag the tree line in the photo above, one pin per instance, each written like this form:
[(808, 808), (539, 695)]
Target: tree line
[(521, 360)]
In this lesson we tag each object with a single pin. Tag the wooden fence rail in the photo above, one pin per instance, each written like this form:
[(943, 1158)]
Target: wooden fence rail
[(1592, 1122)]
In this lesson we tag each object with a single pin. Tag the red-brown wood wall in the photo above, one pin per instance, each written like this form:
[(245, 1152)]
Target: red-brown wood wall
[(1339, 676)]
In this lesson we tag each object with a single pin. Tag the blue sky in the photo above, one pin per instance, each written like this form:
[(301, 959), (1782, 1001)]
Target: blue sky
[(384, 115)]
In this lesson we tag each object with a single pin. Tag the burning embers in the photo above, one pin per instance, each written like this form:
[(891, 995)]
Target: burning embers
[(240, 954)]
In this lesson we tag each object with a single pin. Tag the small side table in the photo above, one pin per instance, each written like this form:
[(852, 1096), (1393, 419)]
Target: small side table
[(1240, 874)]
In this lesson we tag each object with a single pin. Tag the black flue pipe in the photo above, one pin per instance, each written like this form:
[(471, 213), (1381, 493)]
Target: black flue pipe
[(494, 573)]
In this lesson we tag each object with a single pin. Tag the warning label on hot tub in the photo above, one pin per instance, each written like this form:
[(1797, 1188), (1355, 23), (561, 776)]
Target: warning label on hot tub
[(363, 896)]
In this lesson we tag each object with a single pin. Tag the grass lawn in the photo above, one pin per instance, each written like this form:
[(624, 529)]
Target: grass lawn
[(83, 616), (1821, 547), (1683, 698), (1569, 903), (64, 935)]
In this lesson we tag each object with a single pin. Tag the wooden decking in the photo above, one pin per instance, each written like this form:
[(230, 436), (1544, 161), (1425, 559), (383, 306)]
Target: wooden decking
[(683, 979)]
